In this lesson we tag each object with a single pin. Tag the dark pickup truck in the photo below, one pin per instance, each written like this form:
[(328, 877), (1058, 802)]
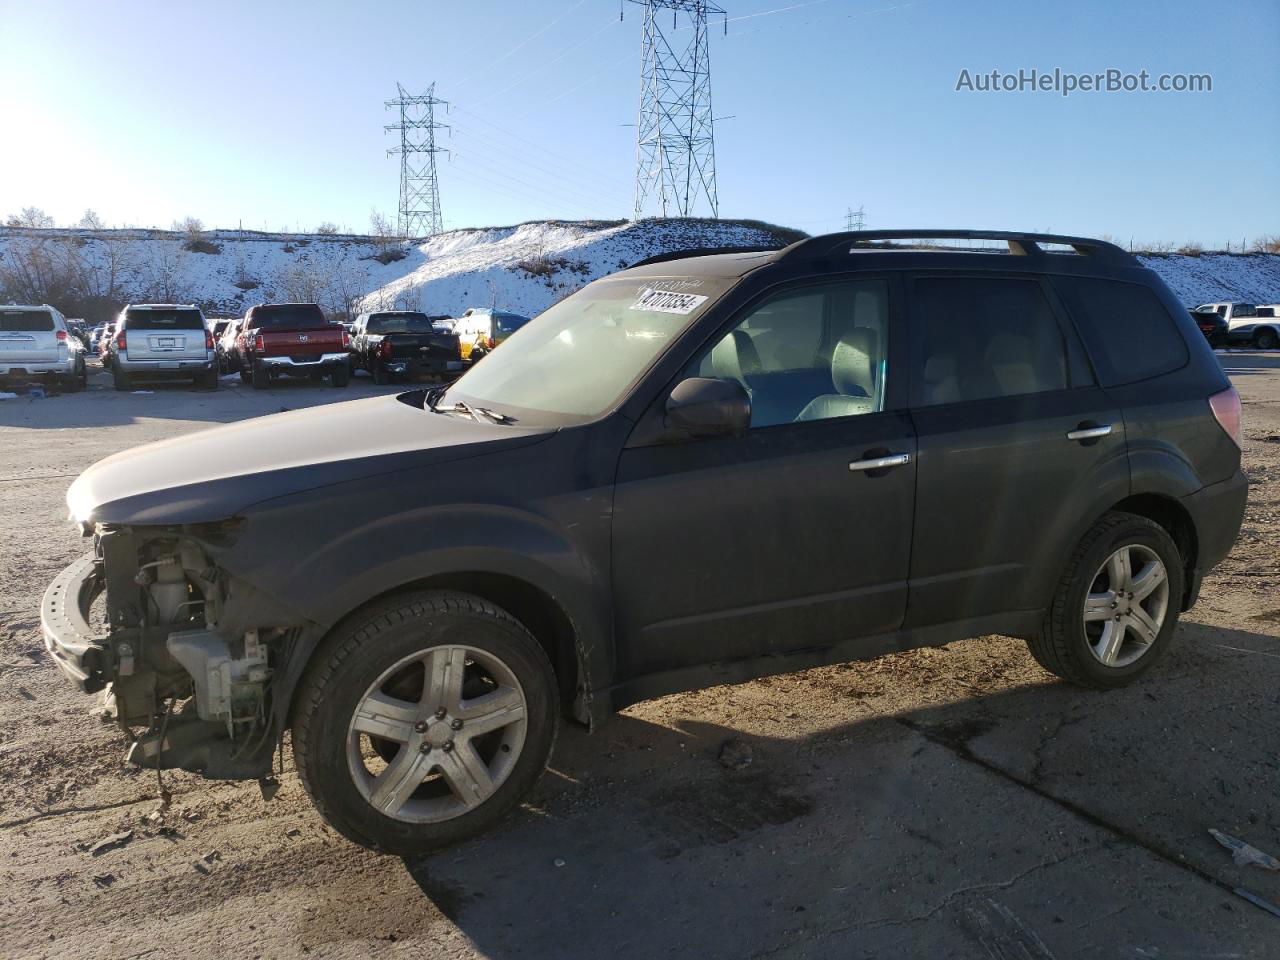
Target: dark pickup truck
[(291, 340), (394, 343)]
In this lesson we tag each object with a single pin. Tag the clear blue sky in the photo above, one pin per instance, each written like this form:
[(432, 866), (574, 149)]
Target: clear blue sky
[(271, 113)]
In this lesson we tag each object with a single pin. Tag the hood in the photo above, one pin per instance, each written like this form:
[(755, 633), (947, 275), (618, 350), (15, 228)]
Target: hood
[(214, 474)]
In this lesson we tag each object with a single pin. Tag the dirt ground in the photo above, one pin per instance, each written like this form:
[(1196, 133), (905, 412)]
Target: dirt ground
[(956, 802)]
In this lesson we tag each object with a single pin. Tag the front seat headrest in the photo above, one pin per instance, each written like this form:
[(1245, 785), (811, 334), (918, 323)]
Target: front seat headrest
[(853, 363), (735, 357)]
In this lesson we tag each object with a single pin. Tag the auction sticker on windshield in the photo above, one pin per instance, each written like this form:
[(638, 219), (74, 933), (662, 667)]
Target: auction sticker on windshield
[(667, 301)]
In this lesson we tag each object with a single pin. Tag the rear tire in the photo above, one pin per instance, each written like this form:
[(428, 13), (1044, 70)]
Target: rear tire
[(340, 375), (207, 380), (244, 375), (77, 381), (120, 378), (1107, 625), (260, 378), (1265, 340), (380, 375), (406, 792)]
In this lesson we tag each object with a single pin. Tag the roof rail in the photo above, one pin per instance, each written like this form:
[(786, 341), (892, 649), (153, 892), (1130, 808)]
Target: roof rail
[(1020, 244), (700, 252)]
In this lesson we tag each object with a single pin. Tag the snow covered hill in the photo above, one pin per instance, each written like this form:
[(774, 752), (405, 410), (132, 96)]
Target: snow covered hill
[(522, 268)]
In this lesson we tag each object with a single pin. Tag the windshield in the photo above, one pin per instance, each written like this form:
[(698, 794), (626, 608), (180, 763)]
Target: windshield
[(163, 320), (26, 321), (580, 356), (400, 323)]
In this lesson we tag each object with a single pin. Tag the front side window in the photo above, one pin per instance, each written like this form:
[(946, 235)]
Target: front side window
[(976, 338), (814, 353), (578, 359)]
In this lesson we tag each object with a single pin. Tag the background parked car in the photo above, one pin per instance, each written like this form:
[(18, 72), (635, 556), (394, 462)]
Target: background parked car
[(1245, 326), (393, 343), (104, 342), (292, 340), (34, 342), (155, 341), (225, 346), (481, 329), (1213, 326)]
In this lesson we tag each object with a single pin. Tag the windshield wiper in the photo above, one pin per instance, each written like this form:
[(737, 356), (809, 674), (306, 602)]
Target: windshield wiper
[(434, 394), (475, 413)]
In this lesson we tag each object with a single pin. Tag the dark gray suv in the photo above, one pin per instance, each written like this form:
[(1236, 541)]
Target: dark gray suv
[(705, 468)]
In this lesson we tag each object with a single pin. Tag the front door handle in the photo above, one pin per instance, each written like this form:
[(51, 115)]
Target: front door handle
[(1089, 431), (882, 463)]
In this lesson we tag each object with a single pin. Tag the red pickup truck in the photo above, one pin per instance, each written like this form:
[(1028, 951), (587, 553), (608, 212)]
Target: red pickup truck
[(291, 340)]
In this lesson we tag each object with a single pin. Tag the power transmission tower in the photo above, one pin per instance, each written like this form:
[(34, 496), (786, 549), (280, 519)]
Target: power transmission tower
[(675, 140), (854, 219), (419, 214)]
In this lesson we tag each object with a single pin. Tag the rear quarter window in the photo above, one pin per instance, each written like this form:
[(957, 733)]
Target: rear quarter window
[(1126, 329)]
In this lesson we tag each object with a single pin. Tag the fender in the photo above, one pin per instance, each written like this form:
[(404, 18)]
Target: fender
[(362, 552)]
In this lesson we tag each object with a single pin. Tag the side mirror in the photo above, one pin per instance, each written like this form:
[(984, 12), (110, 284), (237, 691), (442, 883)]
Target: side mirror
[(704, 407)]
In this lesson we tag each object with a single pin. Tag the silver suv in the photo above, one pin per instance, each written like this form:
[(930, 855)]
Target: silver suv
[(155, 341), (34, 342)]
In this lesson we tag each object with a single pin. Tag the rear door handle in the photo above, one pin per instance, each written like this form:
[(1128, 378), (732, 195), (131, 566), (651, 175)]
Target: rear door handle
[(1084, 432), (881, 463)]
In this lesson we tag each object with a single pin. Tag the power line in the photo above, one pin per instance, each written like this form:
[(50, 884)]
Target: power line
[(419, 211), (675, 135)]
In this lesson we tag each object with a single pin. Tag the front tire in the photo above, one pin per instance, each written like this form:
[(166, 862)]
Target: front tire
[(423, 720), (1116, 606)]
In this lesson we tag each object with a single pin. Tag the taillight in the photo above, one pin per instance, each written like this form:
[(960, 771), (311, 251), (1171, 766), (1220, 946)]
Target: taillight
[(62, 334), (492, 343), (1226, 410), (384, 348), (120, 340), (259, 344)]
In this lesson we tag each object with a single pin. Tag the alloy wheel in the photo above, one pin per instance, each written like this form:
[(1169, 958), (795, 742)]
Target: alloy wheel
[(437, 734), (1126, 605)]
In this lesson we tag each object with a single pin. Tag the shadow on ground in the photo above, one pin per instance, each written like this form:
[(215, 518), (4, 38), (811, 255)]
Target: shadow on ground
[(1039, 823)]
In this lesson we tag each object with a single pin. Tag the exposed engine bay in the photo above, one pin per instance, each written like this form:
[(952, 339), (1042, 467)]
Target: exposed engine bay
[(184, 651)]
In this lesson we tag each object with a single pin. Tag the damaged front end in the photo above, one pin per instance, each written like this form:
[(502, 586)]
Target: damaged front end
[(185, 651)]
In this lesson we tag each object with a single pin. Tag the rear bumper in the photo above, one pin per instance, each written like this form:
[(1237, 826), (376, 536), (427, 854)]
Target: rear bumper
[(423, 366), (182, 367), (38, 368), (1217, 512), (72, 645), (299, 365)]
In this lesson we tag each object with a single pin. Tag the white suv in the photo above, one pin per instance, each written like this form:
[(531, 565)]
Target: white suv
[(34, 342), (155, 341)]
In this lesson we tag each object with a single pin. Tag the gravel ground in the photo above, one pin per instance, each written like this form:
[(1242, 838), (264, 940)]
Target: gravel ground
[(952, 802)]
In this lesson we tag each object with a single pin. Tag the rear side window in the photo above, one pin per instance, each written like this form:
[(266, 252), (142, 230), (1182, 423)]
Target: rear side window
[(508, 323), (163, 320), (26, 321), (1127, 330), (983, 337)]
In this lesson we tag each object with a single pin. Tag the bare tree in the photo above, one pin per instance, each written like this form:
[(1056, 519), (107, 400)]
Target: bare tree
[(161, 272), (30, 217), (91, 221), (327, 229)]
